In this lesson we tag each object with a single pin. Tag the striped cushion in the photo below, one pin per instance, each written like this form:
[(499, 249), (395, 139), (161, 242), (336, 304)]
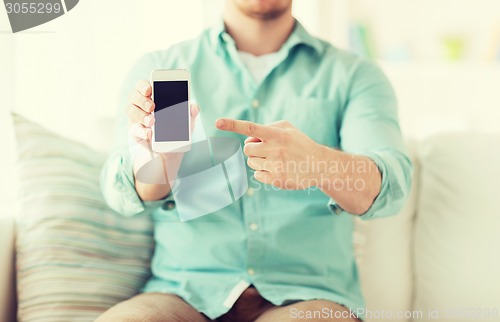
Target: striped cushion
[(75, 256)]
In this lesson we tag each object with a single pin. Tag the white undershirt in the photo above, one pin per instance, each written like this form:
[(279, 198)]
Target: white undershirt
[(259, 66)]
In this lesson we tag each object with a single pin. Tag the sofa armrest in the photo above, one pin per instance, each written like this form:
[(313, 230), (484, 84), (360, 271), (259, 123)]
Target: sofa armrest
[(7, 276)]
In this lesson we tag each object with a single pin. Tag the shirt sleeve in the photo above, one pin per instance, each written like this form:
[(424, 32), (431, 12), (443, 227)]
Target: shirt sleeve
[(117, 177), (370, 127)]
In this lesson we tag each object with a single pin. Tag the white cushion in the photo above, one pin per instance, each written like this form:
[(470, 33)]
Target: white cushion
[(457, 238), (383, 251)]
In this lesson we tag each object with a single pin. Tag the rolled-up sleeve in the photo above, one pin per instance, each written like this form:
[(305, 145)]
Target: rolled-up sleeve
[(118, 187), (370, 127), (117, 177)]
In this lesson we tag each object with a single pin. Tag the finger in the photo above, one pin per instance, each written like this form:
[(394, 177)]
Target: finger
[(258, 164), (145, 103), (137, 115), (143, 87), (140, 132), (255, 149), (282, 124), (246, 128), (194, 109), (263, 176), (252, 139)]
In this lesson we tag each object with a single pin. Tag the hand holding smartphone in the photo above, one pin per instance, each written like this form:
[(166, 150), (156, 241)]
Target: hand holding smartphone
[(170, 92)]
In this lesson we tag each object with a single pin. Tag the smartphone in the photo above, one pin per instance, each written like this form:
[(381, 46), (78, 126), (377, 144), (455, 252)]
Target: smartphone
[(171, 130)]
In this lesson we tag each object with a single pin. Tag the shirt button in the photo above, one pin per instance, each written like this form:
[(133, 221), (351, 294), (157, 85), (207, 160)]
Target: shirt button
[(250, 272), (169, 205), (254, 226), (226, 37), (255, 103), (250, 192)]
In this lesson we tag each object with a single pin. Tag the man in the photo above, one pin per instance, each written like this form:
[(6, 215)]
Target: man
[(282, 252)]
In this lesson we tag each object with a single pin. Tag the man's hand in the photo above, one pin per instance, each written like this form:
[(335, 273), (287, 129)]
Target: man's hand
[(140, 112), (280, 154), (283, 156), (141, 119)]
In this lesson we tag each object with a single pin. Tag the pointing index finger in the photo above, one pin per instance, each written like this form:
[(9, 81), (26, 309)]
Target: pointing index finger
[(246, 128)]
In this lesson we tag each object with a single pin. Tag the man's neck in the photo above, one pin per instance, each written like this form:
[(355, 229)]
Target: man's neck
[(257, 36)]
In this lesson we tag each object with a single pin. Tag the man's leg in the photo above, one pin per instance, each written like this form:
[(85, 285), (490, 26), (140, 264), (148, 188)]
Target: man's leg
[(152, 307), (247, 308), (308, 311)]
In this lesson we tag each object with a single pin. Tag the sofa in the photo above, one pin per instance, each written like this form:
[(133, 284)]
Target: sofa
[(438, 260)]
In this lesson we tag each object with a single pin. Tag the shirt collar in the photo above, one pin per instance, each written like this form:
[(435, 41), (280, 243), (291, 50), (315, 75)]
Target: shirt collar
[(299, 36)]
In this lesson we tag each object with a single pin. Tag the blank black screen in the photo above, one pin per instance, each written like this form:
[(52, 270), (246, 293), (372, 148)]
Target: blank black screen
[(171, 111)]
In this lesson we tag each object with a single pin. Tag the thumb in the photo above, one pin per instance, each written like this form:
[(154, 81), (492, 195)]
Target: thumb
[(194, 109)]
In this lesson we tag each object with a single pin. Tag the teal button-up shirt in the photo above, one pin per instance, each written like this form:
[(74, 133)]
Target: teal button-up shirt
[(291, 245)]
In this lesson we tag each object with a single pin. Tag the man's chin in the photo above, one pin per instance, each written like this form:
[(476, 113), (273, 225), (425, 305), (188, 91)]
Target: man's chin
[(263, 11)]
